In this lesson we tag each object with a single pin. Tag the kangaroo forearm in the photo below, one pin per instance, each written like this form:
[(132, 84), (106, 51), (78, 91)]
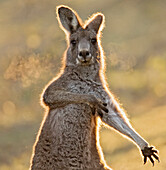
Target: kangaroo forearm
[(63, 98), (114, 120)]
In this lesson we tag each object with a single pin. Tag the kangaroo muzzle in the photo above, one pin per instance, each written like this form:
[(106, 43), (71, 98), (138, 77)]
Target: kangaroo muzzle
[(84, 54)]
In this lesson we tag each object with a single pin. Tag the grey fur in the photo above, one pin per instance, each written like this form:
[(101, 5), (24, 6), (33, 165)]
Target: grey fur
[(68, 138)]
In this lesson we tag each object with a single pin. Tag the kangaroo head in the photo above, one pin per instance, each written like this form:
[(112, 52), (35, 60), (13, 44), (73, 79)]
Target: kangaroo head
[(83, 40)]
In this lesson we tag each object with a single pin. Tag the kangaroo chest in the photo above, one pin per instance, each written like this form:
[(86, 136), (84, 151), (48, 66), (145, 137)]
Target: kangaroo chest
[(87, 87)]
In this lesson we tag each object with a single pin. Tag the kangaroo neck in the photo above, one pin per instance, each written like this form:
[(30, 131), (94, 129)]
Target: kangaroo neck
[(90, 72)]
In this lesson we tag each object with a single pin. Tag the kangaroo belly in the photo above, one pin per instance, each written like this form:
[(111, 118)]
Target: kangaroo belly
[(72, 136), (71, 126)]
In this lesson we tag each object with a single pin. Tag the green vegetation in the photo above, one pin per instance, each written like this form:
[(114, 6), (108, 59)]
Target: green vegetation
[(31, 49)]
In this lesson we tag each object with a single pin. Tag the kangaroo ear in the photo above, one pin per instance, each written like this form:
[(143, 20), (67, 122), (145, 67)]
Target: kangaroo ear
[(96, 22), (68, 19)]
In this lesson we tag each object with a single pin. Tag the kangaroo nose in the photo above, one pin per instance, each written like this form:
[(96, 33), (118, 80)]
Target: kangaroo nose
[(84, 56), (84, 53)]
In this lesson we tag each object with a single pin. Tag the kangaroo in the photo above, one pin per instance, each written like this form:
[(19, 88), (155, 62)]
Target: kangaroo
[(77, 101)]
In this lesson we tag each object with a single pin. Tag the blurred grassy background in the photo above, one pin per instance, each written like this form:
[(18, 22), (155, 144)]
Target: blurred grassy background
[(31, 48)]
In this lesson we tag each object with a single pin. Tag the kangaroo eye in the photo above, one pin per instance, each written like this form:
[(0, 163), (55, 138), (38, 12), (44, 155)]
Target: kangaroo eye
[(93, 40), (73, 42)]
